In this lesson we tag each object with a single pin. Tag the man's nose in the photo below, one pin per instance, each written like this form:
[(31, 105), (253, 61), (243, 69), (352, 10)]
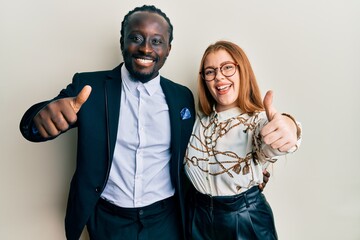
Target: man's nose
[(146, 47)]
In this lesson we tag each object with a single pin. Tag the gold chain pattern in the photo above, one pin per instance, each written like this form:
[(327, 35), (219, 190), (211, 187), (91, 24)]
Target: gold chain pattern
[(208, 146)]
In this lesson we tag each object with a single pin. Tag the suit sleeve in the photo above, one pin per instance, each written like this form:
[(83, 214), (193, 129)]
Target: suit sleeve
[(27, 126)]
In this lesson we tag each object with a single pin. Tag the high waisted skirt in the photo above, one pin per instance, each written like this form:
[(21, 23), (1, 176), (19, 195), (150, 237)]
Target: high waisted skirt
[(244, 216)]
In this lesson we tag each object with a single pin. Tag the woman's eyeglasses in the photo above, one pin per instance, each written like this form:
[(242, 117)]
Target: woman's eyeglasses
[(227, 69)]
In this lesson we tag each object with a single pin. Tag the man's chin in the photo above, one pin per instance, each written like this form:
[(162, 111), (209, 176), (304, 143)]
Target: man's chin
[(139, 74), (142, 77)]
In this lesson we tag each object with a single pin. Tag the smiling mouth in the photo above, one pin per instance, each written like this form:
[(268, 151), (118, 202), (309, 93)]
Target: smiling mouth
[(144, 62), (223, 87)]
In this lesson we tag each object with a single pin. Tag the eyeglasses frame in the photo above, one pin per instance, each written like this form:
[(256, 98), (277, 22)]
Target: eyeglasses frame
[(216, 69)]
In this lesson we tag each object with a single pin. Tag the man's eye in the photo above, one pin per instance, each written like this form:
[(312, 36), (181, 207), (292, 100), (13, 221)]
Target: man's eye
[(136, 38), (156, 41)]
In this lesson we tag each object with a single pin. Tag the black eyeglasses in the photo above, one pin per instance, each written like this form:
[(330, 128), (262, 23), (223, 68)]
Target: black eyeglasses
[(227, 69)]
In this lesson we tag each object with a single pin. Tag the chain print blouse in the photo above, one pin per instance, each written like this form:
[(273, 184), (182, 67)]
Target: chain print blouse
[(225, 155)]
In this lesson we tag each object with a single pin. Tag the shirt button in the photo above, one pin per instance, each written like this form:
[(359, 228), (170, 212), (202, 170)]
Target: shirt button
[(98, 189), (141, 212)]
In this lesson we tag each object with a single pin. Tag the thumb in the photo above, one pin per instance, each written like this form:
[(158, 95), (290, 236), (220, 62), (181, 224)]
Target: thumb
[(81, 98), (269, 109)]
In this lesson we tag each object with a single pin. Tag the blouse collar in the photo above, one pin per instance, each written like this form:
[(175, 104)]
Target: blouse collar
[(227, 114)]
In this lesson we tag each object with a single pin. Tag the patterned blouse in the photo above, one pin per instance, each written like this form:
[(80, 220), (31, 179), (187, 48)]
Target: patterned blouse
[(225, 155)]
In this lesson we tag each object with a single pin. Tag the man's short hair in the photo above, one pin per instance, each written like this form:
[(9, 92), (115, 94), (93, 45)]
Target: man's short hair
[(145, 8)]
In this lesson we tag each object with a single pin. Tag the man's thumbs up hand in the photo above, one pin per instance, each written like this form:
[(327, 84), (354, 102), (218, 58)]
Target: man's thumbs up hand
[(57, 116), (81, 98)]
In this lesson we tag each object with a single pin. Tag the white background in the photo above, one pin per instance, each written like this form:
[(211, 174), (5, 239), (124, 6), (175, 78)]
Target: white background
[(307, 51)]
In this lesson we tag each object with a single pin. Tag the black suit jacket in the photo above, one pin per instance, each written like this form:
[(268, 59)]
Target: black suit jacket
[(97, 132)]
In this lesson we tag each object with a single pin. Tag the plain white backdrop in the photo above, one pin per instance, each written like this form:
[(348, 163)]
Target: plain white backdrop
[(306, 51)]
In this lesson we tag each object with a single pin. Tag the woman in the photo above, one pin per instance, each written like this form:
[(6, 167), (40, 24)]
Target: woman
[(227, 152)]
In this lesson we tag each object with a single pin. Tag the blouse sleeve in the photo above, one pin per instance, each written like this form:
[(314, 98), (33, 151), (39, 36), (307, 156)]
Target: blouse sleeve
[(265, 153)]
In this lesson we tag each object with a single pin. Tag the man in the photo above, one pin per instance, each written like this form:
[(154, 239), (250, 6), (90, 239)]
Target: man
[(133, 129)]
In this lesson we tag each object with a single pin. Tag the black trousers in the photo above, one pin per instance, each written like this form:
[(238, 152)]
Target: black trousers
[(159, 220), (245, 216)]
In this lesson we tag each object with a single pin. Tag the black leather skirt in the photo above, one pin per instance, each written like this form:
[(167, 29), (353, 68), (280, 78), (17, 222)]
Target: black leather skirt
[(244, 216)]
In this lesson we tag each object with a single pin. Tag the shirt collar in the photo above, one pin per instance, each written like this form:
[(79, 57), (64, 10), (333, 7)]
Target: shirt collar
[(133, 84)]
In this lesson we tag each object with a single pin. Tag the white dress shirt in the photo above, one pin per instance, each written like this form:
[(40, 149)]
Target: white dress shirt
[(140, 171)]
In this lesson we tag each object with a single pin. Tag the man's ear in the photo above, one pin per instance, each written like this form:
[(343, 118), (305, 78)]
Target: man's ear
[(169, 50), (121, 44)]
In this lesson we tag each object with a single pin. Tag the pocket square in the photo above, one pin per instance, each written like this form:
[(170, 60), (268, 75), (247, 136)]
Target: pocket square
[(185, 113)]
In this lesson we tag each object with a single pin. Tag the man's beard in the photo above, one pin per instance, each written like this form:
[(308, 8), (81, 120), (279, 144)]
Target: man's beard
[(144, 78), (136, 75)]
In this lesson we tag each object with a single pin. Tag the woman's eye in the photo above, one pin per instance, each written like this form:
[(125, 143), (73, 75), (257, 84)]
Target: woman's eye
[(228, 67), (209, 72)]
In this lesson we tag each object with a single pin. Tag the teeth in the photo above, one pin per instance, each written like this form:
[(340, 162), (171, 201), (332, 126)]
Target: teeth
[(223, 87), (144, 60)]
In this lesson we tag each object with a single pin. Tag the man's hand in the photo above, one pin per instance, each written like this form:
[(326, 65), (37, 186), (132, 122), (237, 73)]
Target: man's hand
[(266, 177), (281, 132), (57, 116)]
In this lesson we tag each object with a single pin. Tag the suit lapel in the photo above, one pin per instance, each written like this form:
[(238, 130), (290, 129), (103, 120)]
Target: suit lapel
[(175, 126), (174, 112), (112, 105)]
